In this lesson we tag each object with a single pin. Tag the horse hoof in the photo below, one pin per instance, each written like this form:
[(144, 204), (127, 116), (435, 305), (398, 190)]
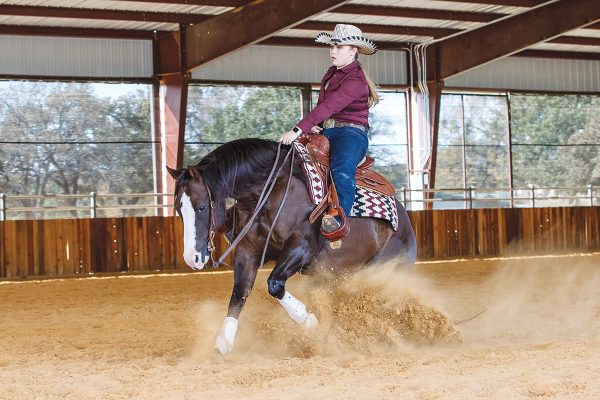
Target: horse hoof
[(311, 322), (223, 345)]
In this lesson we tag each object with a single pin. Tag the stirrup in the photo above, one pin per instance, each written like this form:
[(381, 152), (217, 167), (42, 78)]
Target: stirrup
[(330, 224)]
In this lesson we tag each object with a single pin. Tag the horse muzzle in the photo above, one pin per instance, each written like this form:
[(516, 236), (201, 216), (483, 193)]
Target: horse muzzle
[(197, 260)]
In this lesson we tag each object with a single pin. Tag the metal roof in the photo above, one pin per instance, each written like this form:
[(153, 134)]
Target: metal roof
[(153, 15)]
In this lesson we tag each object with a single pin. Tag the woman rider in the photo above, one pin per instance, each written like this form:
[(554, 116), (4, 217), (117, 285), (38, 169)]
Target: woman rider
[(342, 112)]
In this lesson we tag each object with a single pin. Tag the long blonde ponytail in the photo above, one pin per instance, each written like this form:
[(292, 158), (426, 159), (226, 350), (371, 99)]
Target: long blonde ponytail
[(373, 95)]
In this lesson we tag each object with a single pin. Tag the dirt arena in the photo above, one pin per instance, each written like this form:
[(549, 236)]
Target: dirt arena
[(383, 335)]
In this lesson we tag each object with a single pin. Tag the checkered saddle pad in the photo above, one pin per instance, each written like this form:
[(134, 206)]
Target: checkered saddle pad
[(367, 202)]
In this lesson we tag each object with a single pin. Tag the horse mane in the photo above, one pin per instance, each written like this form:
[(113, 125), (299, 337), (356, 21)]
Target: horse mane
[(238, 165)]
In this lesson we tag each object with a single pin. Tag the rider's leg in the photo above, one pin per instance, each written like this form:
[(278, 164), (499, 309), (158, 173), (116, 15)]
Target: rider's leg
[(244, 275), (347, 147)]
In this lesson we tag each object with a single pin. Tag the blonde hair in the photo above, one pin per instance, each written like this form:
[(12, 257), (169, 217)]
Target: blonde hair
[(373, 95)]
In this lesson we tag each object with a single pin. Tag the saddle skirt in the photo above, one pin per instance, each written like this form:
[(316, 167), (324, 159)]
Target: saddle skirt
[(374, 196)]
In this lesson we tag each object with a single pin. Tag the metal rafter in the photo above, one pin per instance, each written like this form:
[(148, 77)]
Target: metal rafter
[(425, 13), (243, 26), (499, 39), (93, 13), (30, 30), (508, 3), (210, 3), (383, 29), (302, 42)]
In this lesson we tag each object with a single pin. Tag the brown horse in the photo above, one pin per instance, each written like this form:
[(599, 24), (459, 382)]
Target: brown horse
[(239, 170)]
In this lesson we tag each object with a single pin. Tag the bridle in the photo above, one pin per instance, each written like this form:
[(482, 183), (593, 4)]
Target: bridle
[(264, 196)]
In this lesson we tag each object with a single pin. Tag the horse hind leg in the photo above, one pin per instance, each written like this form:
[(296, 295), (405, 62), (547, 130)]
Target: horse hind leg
[(297, 311), (402, 245), (284, 269)]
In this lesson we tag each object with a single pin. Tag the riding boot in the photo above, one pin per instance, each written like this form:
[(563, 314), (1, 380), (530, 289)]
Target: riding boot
[(330, 223)]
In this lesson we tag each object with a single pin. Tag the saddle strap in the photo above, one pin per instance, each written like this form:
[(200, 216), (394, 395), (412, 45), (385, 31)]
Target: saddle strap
[(336, 210), (318, 210)]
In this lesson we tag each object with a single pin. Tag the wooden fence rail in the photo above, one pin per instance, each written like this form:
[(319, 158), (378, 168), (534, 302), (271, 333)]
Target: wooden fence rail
[(84, 246)]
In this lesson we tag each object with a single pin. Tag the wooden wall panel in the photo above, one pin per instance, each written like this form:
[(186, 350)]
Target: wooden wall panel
[(84, 246)]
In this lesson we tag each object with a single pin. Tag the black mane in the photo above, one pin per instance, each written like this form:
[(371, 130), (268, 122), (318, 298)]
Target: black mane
[(238, 165)]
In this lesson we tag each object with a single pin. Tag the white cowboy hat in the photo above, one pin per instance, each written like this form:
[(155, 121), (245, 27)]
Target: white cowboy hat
[(347, 35)]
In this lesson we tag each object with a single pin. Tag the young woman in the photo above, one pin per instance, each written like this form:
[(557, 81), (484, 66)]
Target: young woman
[(342, 112)]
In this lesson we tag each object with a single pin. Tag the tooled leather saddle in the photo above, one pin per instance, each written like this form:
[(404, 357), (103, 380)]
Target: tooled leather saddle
[(317, 147)]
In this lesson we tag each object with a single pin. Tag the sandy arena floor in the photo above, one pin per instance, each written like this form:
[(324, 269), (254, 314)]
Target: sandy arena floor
[(383, 335)]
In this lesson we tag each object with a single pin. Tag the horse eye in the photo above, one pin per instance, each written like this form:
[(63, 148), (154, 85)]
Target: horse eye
[(201, 209)]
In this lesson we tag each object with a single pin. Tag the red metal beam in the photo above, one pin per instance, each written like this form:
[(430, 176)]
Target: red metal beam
[(171, 98), (301, 42), (167, 51), (499, 39), (576, 40), (424, 13), (509, 3), (93, 13), (29, 30), (383, 29), (211, 3), (566, 55), (243, 26)]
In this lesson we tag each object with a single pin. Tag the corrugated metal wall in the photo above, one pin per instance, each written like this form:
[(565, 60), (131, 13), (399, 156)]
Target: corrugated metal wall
[(533, 74), (49, 56), (297, 65), (118, 58)]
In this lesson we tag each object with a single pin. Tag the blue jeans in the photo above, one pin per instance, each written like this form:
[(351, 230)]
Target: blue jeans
[(347, 147)]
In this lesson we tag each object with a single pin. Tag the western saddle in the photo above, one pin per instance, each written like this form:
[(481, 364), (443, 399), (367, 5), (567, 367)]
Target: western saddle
[(317, 147)]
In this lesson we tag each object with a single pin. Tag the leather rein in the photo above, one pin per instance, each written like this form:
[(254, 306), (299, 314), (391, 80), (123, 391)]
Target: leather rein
[(264, 196)]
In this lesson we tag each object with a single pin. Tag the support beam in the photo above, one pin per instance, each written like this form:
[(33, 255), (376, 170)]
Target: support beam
[(383, 29), (94, 13), (246, 25), (167, 50), (56, 31), (564, 55), (508, 3), (301, 42), (170, 105), (499, 39), (171, 102), (210, 3), (423, 13)]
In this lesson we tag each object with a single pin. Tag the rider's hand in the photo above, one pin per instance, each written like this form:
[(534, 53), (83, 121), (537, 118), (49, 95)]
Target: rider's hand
[(316, 129), (289, 137)]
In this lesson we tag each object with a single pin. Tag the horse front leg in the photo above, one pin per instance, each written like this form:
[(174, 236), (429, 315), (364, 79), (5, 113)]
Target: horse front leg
[(289, 264), (245, 267)]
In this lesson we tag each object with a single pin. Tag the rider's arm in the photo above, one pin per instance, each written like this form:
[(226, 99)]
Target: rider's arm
[(352, 88)]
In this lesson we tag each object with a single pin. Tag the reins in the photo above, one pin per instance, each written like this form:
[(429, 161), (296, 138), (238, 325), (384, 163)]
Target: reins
[(264, 196)]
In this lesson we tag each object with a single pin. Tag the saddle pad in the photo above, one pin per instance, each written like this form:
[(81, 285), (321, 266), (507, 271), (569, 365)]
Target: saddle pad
[(368, 203)]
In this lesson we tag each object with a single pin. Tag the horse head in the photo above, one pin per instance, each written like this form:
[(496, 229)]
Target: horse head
[(194, 205)]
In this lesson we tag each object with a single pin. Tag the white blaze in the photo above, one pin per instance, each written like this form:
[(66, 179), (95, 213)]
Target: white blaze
[(190, 255)]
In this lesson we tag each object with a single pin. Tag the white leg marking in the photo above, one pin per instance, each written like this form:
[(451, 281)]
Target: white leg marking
[(190, 255), (226, 337), (297, 311)]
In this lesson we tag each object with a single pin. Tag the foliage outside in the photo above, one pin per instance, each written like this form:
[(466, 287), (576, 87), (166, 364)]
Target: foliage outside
[(66, 138)]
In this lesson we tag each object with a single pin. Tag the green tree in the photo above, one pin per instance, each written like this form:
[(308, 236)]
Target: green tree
[(52, 120), (218, 115), (555, 139)]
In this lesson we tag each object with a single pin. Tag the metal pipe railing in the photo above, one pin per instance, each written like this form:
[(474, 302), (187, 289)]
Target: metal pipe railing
[(101, 205)]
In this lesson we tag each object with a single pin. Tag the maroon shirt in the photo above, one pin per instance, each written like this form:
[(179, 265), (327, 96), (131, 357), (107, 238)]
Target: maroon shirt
[(345, 98)]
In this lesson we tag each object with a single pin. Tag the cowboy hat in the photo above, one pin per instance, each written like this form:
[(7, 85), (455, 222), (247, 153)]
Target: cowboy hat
[(347, 35)]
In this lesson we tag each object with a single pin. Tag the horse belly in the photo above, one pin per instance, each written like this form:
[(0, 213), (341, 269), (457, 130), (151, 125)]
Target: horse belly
[(367, 236)]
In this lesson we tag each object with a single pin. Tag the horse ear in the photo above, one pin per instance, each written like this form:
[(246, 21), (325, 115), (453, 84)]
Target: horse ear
[(194, 172), (175, 173)]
